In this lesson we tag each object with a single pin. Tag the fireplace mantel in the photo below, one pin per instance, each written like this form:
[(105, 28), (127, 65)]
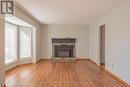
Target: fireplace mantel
[(63, 40)]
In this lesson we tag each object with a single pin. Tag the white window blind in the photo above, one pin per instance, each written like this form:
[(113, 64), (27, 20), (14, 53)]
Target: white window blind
[(10, 42), (25, 42)]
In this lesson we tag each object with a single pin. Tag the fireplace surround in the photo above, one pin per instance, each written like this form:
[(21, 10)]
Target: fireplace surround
[(63, 47)]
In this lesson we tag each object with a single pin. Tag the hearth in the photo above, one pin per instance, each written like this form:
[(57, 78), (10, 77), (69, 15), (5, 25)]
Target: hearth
[(63, 48)]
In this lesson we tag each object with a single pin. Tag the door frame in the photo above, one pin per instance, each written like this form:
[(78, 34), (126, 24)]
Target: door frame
[(102, 28)]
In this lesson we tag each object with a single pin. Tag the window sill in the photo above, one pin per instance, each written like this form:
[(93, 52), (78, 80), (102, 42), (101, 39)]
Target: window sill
[(26, 58), (10, 62), (14, 61)]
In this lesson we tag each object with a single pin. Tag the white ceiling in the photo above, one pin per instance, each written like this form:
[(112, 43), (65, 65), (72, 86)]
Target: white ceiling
[(68, 12)]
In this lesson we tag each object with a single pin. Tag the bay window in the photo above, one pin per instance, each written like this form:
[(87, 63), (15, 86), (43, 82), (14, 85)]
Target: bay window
[(17, 42)]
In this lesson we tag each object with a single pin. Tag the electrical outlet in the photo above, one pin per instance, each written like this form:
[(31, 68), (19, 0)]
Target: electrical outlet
[(112, 65)]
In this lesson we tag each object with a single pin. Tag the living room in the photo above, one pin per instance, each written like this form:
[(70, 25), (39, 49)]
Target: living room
[(65, 43)]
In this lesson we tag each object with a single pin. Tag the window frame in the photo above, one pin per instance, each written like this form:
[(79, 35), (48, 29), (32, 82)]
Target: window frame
[(30, 43), (17, 43), (8, 24)]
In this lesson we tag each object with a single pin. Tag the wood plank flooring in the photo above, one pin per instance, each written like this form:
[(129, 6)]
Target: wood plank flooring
[(81, 73)]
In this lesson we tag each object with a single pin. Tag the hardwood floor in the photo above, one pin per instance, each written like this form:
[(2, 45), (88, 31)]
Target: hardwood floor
[(81, 73)]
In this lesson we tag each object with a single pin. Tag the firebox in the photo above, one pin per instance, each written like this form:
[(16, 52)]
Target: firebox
[(63, 48)]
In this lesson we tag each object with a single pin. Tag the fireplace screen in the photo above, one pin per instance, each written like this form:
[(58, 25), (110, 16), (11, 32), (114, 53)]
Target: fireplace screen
[(63, 48), (63, 54)]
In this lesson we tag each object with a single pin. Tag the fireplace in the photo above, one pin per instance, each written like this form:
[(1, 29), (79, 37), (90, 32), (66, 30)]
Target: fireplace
[(63, 48)]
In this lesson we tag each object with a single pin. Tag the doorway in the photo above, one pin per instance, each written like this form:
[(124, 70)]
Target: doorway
[(102, 44)]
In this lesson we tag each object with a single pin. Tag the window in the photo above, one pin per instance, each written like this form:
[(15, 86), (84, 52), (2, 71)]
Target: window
[(25, 42), (18, 41), (10, 42)]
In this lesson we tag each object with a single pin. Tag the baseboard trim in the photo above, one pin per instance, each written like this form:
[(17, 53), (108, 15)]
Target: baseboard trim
[(17, 66), (117, 78), (77, 59), (112, 75), (38, 60), (45, 59), (93, 62), (11, 69), (25, 64)]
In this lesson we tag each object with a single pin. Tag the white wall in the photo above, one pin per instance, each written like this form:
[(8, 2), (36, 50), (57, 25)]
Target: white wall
[(81, 33), (2, 51), (117, 40)]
